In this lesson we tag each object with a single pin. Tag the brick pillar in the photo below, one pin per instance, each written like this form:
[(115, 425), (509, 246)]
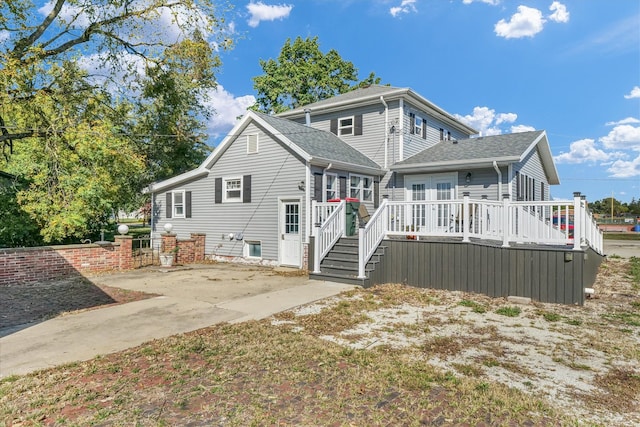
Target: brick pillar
[(125, 252), (169, 242), (200, 241)]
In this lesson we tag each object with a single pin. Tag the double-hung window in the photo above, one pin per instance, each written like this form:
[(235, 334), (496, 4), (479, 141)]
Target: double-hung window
[(345, 126), (232, 189), (361, 187), (331, 190), (178, 204)]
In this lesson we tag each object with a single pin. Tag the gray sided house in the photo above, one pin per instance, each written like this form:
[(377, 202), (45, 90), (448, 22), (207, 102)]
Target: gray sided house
[(252, 195)]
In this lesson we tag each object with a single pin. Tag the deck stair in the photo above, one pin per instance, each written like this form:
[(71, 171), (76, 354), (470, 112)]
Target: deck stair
[(341, 263)]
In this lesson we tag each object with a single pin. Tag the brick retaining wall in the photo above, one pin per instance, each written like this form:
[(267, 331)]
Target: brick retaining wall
[(44, 263)]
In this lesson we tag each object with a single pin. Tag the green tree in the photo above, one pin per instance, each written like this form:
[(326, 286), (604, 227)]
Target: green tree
[(302, 74), (78, 118)]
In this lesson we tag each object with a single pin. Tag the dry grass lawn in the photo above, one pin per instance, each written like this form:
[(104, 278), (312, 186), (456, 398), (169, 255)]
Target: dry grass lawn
[(389, 355)]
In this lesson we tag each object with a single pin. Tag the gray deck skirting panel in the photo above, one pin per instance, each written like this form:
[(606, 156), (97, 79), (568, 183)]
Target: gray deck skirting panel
[(544, 274)]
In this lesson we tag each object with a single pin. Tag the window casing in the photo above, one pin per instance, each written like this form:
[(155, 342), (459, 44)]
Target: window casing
[(419, 123), (178, 203), (345, 126), (361, 187), (253, 249), (232, 190), (331, 188)]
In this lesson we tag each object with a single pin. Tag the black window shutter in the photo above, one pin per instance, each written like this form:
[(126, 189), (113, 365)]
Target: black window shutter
[(424, 129), (357, 128), (246, 189), (218, 190), (187, 204), (334, 126), (412, 123), (317, 187), (376, 194), (169, 206), (343, 187)]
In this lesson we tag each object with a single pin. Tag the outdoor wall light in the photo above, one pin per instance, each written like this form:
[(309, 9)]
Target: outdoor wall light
[(168, 227), (468, 177), (301, 185), (123, 229)]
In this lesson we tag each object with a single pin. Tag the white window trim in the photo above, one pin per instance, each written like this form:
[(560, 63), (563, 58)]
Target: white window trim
[(324, 186), (257, 143), (225, 199), (352, 126), (418, 129), (361, 187), (246, 248), (173, 204)]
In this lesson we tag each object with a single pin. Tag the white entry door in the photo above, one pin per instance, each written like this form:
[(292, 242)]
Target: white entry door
[(290, 237), (443, 189)]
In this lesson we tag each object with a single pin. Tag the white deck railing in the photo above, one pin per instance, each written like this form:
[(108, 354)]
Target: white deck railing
[(566, 222), (329, 226)]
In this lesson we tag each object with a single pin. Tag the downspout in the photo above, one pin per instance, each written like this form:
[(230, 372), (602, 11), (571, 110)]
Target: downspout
[(386, 131), (495, 166), (307, 203)]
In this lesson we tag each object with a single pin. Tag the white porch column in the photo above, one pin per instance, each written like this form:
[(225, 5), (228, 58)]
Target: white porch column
[(316, 248), (578, 225), (466, 220)]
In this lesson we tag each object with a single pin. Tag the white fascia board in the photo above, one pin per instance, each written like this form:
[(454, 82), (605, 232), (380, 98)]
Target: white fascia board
[(450, 165), (542, 144), (173, 181)]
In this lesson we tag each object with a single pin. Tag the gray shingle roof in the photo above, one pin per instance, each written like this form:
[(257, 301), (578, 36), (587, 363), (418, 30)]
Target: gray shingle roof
[(373, 91), (318, 143), (507, 146)]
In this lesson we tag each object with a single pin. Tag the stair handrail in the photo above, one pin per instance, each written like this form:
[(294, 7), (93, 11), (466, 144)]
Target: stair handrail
[(370, 236), (328, 233)]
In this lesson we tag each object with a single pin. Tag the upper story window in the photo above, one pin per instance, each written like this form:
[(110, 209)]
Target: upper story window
[(349, 125), (232, 190), (331, 190), (345, 126), (417, 125), (252, 143), (361, 187)]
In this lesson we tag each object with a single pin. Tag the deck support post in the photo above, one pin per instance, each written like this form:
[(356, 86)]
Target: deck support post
[(466, 219), (316, 249), (506, 220)]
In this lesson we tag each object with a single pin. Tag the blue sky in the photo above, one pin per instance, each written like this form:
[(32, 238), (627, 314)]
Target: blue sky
[(570, 67)]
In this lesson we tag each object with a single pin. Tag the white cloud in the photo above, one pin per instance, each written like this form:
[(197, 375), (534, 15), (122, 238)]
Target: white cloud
[(583, 151), (487, 122), (627, 121), (406, 6), (635, 93), (4, 35), (264, 12), (625, 137), (625, 168), (522, 128), (506, 118), (491, 2), (227, 109), (527, 22), (560, 13)]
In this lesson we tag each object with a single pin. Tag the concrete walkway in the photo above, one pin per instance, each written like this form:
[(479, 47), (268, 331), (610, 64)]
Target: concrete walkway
[(191, 299)]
